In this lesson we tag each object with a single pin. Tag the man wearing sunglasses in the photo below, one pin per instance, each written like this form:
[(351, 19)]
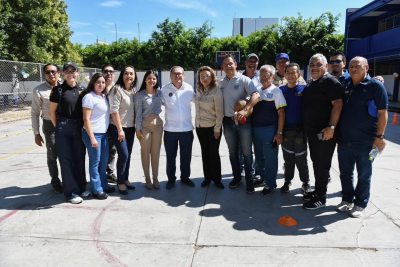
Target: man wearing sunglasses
[(108, 72), (336, 66), (40, 108)]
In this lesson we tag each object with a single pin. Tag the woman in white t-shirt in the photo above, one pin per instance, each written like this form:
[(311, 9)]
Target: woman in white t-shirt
[(96, 116)]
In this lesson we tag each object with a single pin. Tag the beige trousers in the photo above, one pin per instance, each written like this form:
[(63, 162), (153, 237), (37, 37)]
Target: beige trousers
[(150, 144)]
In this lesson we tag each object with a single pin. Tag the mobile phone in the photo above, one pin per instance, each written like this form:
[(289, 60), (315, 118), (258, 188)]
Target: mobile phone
[(320, 136)]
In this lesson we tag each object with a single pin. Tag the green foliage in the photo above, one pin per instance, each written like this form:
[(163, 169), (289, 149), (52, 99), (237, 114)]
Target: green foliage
[(35, 30), (302, 38), (40, 33)]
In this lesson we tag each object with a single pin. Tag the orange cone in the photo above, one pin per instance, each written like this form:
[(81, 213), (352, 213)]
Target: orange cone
[(395, 120), (287, 221)]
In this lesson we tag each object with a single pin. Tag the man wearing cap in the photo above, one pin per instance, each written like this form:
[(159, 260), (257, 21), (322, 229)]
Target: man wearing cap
[(40, 108), (336, 67), (251, 72), (65, 112), (251, 69), (322, 105), (235, 87), (281, 61), (362, 127)]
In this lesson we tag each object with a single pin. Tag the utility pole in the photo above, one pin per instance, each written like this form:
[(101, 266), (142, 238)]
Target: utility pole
[(138, 27), (116, 33)]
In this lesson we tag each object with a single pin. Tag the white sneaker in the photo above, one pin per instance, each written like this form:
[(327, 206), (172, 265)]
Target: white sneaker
[(75, 199), (86, 194), (356, 212), (344, 206)]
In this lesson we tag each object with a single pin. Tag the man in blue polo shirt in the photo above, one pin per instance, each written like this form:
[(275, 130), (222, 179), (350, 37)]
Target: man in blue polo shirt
[(294, 146), (362, 127)]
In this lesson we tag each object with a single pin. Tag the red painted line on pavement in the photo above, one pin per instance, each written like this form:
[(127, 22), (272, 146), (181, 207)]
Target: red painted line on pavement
[(103, 251), (8, 215)]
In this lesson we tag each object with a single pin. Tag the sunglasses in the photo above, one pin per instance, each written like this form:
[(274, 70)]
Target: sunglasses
[(337, 61), (48, 72), (108, 71)]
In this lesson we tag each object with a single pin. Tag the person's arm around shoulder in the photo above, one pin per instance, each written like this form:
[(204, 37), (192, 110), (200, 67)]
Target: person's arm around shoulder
[(35, 115)]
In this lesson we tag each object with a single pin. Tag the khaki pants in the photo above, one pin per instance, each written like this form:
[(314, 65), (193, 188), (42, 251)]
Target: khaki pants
[(152, 129)]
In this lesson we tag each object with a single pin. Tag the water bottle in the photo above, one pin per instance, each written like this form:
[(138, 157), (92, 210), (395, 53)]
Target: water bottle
[(373, 153)]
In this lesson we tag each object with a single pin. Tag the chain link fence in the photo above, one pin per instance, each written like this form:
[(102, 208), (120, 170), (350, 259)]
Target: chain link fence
[(17, 81)]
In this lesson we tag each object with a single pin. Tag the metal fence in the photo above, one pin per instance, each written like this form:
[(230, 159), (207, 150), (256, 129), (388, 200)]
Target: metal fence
[(17, 80)]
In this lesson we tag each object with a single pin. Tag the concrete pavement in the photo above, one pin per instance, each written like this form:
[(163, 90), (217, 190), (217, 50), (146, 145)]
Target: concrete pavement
[(189, 226)]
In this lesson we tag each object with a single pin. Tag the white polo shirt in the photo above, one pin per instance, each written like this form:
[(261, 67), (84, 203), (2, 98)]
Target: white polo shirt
[(178, 111)]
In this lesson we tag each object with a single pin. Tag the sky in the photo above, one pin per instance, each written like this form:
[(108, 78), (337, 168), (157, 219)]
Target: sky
[(107, 20)]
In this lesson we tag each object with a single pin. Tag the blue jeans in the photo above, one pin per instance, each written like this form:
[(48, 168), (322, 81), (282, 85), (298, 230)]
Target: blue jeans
[(239, 136), (124, 150), (350, 155), (185, 140), (266, 153), (71, 155), (98, 158)]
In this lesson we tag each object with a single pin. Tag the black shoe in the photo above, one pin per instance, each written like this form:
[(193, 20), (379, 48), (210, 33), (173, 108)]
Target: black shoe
[(187, 182), (100, 196), (122, 191), (112, 178), (219, 184), (234, 183), (205, 183), (314, 203), (308, 196), (130, 186), (109, 189), (170, 185), (267, 190), (285, 187), (57, 187), (258, 182)]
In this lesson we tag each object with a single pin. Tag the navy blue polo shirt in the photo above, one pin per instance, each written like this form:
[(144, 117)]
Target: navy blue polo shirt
[(359, 118), (293, 115)]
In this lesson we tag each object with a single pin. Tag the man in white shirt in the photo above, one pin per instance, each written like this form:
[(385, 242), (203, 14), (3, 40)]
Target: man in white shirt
[(178, 129), (40, 108)]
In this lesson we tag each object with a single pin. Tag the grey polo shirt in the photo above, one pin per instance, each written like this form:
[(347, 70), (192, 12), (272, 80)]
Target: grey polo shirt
[(237, 88)]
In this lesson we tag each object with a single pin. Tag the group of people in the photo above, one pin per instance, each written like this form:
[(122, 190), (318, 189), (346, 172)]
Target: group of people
[(256, 110)]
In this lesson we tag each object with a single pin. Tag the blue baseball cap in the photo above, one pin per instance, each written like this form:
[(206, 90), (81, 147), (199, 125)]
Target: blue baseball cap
[(282, 56)]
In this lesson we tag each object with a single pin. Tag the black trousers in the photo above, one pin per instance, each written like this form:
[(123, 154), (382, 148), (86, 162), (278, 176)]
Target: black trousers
[(294, 149), (210, 153), (321, 153)]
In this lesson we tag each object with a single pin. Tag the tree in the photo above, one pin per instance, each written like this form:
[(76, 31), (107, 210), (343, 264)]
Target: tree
[(36, 30), (302, 38)]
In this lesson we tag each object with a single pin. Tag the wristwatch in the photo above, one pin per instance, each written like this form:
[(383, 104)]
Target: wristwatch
[(380, 136), (332, 127), (280, 133)]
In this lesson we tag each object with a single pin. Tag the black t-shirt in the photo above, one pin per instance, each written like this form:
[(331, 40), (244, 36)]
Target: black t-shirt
[(317, 106), (69, 101)]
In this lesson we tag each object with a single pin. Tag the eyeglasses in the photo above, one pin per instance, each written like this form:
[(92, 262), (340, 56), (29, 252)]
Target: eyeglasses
[(337, 61), (108, 71), (48, 72)]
